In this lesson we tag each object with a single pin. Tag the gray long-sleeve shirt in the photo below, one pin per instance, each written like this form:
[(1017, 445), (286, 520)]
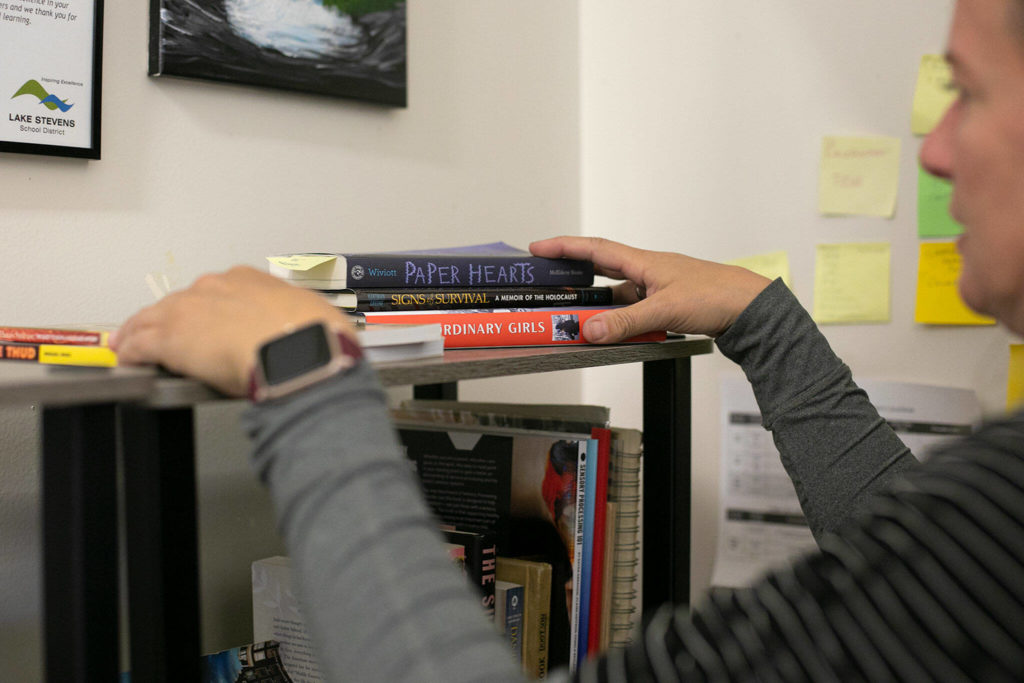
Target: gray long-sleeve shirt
[(903, 592)]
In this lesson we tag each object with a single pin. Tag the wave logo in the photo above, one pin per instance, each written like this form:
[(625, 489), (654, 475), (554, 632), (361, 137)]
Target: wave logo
[(51, 102)]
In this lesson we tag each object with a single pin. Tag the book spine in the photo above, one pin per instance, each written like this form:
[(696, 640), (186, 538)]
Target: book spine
[(535, 577), (624, 491), (59, 354), (577, 559), (458, 270), (512, 614), (597, 597), (529, 327), (481, 567), (405, 299), (586, 575), (39, 335)]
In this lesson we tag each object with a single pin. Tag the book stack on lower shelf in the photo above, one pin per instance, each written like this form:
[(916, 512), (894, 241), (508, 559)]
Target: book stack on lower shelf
[(551, 491), (559, 491), (482, 295)]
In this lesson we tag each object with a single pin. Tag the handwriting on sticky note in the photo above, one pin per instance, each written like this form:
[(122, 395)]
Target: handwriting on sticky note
[(851, 283), (301, 261), (938, 299), (933, 197), (933, 94), (771, 265), (859, 176)]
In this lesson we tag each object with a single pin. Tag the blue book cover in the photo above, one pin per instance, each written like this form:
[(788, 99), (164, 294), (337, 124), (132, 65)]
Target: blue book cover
[(590, 496), (481, 265)]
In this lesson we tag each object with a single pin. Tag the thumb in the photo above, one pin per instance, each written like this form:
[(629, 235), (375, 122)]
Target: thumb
[(618, 324)]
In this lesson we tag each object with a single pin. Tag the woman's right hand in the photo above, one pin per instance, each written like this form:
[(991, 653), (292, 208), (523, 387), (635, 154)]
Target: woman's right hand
[(666, 291)]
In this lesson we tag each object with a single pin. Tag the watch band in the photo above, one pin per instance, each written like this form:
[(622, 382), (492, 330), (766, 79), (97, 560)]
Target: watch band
[(347, 354)]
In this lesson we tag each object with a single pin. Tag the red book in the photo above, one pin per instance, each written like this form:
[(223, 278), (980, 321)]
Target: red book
[(39, 335), (604, 442), (504, 327)]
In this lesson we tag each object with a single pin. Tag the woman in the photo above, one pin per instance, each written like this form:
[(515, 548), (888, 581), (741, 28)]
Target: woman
[(921, 569)]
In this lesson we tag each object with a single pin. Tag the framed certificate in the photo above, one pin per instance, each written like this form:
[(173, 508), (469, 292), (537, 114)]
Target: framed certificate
[(50, 67)]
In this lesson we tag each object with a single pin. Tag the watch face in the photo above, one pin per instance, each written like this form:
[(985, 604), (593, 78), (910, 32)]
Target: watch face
[(295, 354)]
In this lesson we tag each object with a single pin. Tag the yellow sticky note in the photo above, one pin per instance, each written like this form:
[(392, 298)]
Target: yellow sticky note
[(771, 265), (933, 94), (938, 299), (859, 176), (851, 283), (301, 261), (1015, 377)]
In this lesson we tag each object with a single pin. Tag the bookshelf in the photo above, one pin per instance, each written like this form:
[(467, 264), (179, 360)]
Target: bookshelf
[(93, 418)]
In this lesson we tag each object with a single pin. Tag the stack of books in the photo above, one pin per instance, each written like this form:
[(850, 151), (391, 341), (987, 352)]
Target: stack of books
[(62, 346), (556, 490), (481, 295), (540, 506)]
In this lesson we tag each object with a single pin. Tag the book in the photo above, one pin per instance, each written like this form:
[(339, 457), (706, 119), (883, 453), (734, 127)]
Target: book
[(444, 298), (519, 484), (59, 354), (277, 616), (624, 491), (260, 661), (620, 583), (41, 335), (580, 571), (389, 343), (508, 613), (571, 418), (535, 577), (479, 561), (611, 524), (479, 265), (505, 327), (602, 438)]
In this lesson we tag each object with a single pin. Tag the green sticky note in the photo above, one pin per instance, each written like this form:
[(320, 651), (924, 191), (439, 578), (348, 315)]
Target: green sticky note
[(933, 195)]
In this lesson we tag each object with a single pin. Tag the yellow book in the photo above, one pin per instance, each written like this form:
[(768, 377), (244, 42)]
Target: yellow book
[(59, 354)]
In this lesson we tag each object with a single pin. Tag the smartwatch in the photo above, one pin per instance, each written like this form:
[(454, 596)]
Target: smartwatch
[(298, 359)]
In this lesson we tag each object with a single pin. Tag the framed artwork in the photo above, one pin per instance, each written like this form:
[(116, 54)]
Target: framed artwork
[(343, 48), (51, 61)]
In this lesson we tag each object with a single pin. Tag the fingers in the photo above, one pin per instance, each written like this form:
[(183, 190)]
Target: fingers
[(610, 259), (622, 323)]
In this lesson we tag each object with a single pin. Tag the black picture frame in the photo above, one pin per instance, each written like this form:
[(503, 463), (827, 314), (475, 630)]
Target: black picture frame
[(355, 49), (25, 135)]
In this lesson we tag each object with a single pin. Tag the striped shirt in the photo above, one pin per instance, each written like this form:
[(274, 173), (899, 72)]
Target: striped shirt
[(928, 585)]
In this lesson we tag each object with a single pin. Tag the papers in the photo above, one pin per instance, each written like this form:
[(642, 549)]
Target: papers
[(859, 176), (938, 299), (760, 522), (851, 283)]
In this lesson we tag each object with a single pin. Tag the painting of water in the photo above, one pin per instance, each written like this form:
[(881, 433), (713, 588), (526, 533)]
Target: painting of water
[(344, 48)]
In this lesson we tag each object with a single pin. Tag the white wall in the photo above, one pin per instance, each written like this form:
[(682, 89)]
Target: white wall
[(702, 126), (197, 176)]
